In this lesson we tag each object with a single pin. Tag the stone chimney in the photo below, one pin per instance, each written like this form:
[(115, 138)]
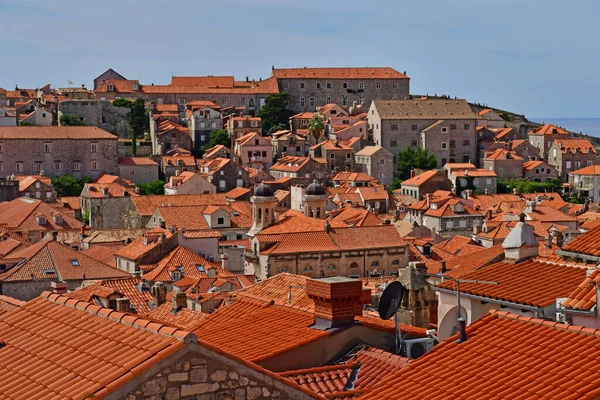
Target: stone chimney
[(82, 231), (428, 199), (468, 193), (418, 297), (337, 301), (123, 305), (521, 243), (59, 287), (529, 206), (486, 191), (225, 261), (159, 292), (516, 191), (412, 172), (557, 237), (476, 229), (179, 301)]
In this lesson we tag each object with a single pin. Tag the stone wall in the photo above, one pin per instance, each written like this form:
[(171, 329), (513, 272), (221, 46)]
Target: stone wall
[(100, 113), (143, 149), (9, 190), (204, 377)]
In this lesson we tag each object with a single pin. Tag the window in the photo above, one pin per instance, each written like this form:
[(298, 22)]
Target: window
[(302, 121), (452, 127), (378, 85), (413, 127), (345, 101), (264, 154), (488, 181), (587, 163), (182, 101), (462, 223), (254, 124), (501, 169), (57, 165), (132, 173), (251, 103), (394, 127), (38, 166), (224, 101), (286, 85), (318, 85), (449, 224), (361, 85), (361, 101), (109, 87), (311, 101), (467, 126), (568, 165), (94, 147), (94, 165), (444, 129), (393, 143), (348, 155), (301, 101), (301, 85), (76, 166), (220, 221), (395, 85), (444, 145), (332, 156), (75, 263), (452, 144), (328, 100), (345, 85), (466, 142), (516, 170), (328, 85), (577, 164), (240, 124)]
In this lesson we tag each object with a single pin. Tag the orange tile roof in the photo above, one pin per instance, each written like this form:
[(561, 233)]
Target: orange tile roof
[(241, 141), (237, 193), (584, 296), (290, 163), (465, 263), (503, 154), (25, 181), (182, 318), (192, 217), (420, 179), (8, 304), (166, 108), (51, 260), (136, 161), (94, 190), (137, 249), (104, 254), (54, 132), (588, 243), (20, 214), (530, 165), (256, 330), (475, 172), (351, 216), (128, 287), (186, 261), (455, 245), (502, 132), (521, 283), (549, 129), (506, 356), (324, 380), (107, 179), (373, 193), (187, 161), (279, 287), (56, 347), (589, 170), (570, 145), (338, 73), (449, 209), (146, 205)]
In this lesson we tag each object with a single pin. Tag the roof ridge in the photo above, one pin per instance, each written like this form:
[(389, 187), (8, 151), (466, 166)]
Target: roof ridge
[(319, 369), (123, 318), (551, 324)]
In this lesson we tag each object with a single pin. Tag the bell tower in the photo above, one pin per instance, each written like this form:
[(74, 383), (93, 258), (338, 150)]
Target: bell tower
[(315, 201), (263, 208)]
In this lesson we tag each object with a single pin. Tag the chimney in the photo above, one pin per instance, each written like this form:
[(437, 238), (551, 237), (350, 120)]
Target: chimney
[(225, 262), (462, 330), (549, 241), (59, 287), (159, 292), (476, 229), (179, 301), (82, 232), (337, 301), (428, 199), (516, 191), (486, 191), (557, 237), (412, 172), (468, 193), (488, 215), (177, 172), (123, 305), (421, 267)]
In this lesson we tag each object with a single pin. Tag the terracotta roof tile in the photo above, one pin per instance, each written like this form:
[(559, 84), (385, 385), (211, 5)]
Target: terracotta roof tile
[(589, 170), (146, 205), (184, 261), (505, 357), (54, 132), (584, 296), (8, 304), (549, 129), (20, 215), (588, 243), (137, 161), (338, 73), (420, 179), (131, 288), (182, 318), (571, 145)]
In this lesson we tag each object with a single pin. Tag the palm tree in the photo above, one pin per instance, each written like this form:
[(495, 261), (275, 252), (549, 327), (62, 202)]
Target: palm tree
[(316, 126)]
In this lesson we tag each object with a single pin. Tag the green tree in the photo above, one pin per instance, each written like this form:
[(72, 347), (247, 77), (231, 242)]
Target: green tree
[(411, 158), (122, 103), (316, 126), (396, 183), (69, 185), (72, 120), (139, 122), (275, 112), (26, 123), (216, 137), (85, 216), (152, 187), (524, 186)]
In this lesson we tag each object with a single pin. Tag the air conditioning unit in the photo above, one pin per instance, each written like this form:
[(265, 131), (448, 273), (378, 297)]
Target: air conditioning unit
[(560, 316), (415, 348)]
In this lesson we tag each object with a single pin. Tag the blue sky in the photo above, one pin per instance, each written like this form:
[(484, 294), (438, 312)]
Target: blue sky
[(537, 57)]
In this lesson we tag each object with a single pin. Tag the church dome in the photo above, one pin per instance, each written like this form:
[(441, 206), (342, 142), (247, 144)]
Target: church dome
[(263, 190), (315, 189)]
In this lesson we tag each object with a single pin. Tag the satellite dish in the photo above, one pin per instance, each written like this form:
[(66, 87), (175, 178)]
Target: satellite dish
[(390, 300)]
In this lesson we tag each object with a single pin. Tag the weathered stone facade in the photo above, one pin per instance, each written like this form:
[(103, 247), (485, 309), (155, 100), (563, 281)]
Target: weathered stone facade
[(203, 376), (377, 162), (100, 113)]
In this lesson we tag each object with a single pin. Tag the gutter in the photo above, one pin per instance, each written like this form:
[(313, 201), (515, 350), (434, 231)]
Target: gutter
[(577, 255), (536, 310), (587, 313)]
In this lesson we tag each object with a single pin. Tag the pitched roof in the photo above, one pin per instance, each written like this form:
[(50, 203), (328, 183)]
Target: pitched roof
[(25, 181), (241, 141), (570, 145), (186, 262), (503, 154), (51, 260), (54, 132), (369, 150), (8, 304), (589, 170), (20, 214), (137, 161), (146, 205), (283, 288), (430, 109), (584, 296), (94, 190), (506, 356), (549, 129), (420, 179), (290, 163), (182, 318), (468, 262), (521, 283), (192, 217), (58, 347), (475, 172), (338, 73), (131, 288), (588, 243)]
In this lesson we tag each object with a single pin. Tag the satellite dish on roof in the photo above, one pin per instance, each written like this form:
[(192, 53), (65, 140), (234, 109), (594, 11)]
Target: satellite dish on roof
[(390, 300)]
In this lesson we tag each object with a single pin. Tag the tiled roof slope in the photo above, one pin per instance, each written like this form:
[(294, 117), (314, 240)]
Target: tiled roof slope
[(56, 347), (20, 214), (128, 287), (182, 318), (48, 259), (322, 380), (584, 296), (283, 288), (146, 205), (8, 304), (190, 263), (54, 132), (338, 73), (506, 356), (588, 243), (436, 110), (532, 282)]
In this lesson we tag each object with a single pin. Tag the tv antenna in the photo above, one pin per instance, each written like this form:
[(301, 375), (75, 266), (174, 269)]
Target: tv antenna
[(388, 306), (462, 321)]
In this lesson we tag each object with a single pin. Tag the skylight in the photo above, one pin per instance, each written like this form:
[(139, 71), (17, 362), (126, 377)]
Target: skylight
[(200, 268), (75, 263)]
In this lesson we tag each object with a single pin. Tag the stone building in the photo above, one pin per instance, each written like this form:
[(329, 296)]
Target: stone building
[(109, 74), (445, 128), (288, 143), (37, 187), (587, 181), (539, 171), (57, 150), (506, 164), (239, 126), (203, 117), (188, 182), (337, 153), (254, 151), (490, 119), (168, 135), (301, 168), (177, 162), (571, 154), (312, 87), (544, 136), (138, 169), (145, 250), (100, 113), (376, 162), (418, 186), (9, 189), (224, 173), (105, 204), (307, 245)]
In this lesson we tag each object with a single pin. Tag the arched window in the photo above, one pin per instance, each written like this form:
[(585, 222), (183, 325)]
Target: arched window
[(284, 269), (354, 266), (176, 275), (318, 213), (396, 262), (259, 214), (331, 267), (375, 264), (251, 103), (308, 268), (321, 273), (267, 214)]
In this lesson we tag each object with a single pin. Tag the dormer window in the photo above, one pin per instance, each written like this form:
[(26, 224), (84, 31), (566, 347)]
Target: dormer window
[(109, 87), (40, 220), (134, 86), (58, 219)]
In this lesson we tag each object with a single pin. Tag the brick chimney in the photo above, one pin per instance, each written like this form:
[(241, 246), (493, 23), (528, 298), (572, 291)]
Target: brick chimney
[(123, 305), (337, 300), (59, 287), (159, 292), (412, 172), (225, 261), (179, 301)]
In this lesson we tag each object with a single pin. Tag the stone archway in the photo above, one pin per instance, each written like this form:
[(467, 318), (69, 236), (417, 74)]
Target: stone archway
[(448, 325)]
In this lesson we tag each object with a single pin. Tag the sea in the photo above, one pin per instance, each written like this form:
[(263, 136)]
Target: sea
[(591, 126)]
